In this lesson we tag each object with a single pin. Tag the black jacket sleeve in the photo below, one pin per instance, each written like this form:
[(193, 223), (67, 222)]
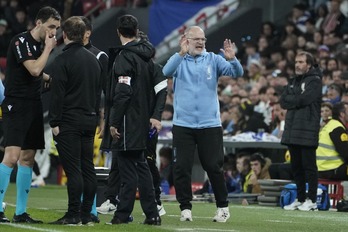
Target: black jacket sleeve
[(339, 138), (296, 98), (104, 60), (123, 74), (160, 88), (58, 84)]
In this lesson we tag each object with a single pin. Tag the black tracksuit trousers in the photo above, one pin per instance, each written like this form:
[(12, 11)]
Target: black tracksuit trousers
[(75, 148), (209, 143), (304, 168)]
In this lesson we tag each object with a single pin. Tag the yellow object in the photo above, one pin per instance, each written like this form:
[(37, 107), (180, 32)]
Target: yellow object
[(327, 156), (287, 156)]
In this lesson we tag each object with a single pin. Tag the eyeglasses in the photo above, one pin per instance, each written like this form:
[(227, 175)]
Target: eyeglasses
[(203, 40)]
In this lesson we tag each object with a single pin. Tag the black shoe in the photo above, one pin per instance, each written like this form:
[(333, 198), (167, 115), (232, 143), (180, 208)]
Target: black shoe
[(68, 219), (3, 218), (94, 218), (156, 221), (87, 219), (116, 220), (25, 218)]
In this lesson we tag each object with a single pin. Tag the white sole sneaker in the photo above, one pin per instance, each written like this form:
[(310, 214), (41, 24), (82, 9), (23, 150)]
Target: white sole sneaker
[(222, 215), (106, 208), (186, 215), (161, 210)]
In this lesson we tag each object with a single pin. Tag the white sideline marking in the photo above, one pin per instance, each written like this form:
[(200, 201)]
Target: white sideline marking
[(178, 215), (30, 227), (204, 229), (280, 221)]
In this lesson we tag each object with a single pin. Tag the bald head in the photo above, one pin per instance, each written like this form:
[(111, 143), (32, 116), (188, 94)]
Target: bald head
[(196, 40)]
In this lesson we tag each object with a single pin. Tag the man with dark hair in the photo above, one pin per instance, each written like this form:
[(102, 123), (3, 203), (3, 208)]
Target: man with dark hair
[(158, 98), (22, 107), (103, 59), (129, 120), (259, 166), (302, 100), (73, 113), (332, 157)]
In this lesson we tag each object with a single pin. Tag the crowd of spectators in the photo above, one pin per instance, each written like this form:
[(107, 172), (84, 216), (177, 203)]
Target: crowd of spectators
[(19, 15), (249, 102), (268, 62)]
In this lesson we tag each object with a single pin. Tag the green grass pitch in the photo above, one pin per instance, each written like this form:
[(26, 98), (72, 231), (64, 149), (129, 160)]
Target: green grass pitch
[(50, 203)]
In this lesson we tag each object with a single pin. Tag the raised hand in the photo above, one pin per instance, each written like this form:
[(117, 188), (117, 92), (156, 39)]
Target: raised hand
[(183, 45), (229, 49)]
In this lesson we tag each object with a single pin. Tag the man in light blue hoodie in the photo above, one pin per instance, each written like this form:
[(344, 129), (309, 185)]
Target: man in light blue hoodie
[(196, 119)]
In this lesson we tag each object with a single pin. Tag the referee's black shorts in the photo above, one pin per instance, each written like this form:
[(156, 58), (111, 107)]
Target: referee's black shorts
[(23, 123)]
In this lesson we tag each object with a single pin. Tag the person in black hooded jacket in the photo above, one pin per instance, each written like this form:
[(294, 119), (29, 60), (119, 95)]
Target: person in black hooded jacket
[(157, 103), (129, 121), (302, 99)]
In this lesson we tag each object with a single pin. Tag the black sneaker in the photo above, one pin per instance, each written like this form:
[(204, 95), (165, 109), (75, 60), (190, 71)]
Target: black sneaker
[(67, 219), (116, 220), (94, 218), (156, 221), (3, 218), (87, 220), (25, 218)]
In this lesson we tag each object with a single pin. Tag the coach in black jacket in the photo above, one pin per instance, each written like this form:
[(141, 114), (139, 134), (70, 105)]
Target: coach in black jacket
[(73, 114), (130, 119), (302, 98)]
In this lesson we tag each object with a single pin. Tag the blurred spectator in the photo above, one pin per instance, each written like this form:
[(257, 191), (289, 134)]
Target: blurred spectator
[(254, 71), (325, 113), (5, 38), (279, 120), (288, 39), (337, 77), (332, 64), (268, 29), (320, 13), (20, 23), (232, 178), (263, 107), (323, 51), (299, 16), (334, 93), (244, 169), (263, 46), (236, 122), (254, 96), (166, 166), (252, 121), (259, 166), (251, 54), (310, 29), (334, 19), (326, 80)]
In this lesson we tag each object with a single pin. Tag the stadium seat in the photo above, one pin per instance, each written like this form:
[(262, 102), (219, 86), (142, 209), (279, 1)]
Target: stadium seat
[(335, 190)]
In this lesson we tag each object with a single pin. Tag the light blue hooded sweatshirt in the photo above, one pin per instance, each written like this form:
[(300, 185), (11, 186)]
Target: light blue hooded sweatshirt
[(195, 81)]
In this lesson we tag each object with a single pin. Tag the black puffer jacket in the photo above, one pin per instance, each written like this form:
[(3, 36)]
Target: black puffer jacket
[(302, 98), (127, 106)]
